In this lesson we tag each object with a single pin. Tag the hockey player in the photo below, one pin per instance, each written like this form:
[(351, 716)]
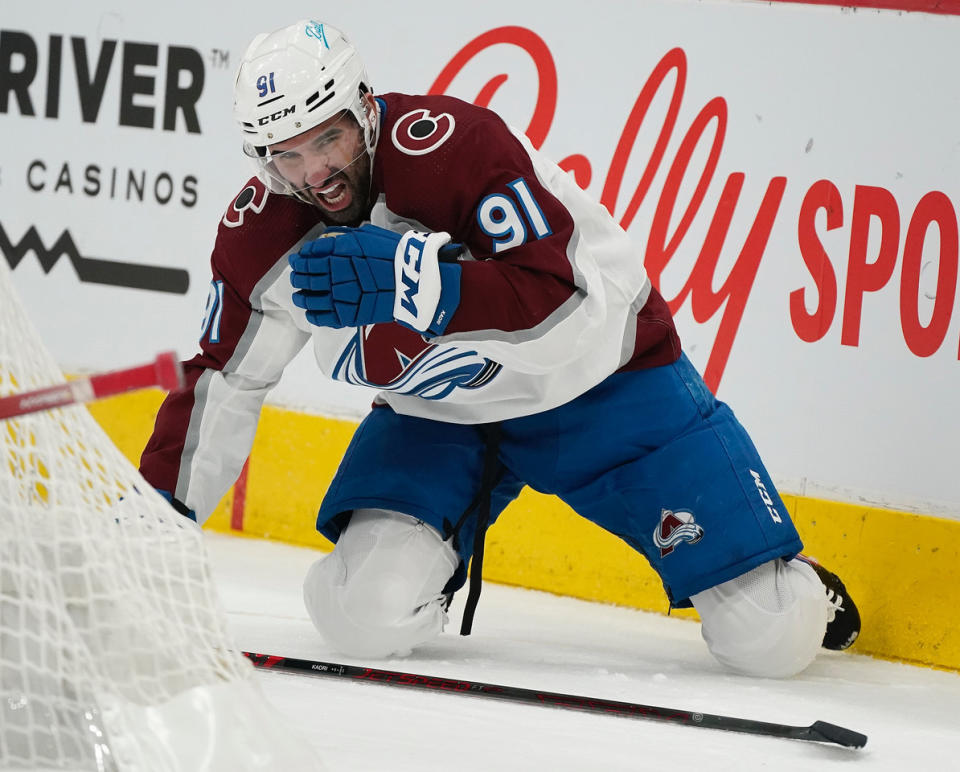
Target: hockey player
[(507, 323)]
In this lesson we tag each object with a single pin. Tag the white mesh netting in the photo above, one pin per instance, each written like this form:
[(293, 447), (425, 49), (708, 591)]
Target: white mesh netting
[(113, 649)]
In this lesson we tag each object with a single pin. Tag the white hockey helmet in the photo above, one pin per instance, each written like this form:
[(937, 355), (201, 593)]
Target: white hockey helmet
[(294, 79)]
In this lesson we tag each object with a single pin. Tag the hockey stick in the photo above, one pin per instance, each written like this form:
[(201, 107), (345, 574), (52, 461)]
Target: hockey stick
[(165, 371), (818, 731)]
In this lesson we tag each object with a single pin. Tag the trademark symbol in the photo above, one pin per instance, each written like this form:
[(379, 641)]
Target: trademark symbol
[(219, 58)]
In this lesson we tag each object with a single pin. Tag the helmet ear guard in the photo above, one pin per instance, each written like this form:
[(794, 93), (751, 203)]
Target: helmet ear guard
[(294, 79)]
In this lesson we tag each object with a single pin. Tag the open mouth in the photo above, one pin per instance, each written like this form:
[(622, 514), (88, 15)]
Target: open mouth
[(334, 196)]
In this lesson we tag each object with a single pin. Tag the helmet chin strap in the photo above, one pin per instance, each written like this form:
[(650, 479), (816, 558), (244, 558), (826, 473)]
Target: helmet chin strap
[(371, 135)]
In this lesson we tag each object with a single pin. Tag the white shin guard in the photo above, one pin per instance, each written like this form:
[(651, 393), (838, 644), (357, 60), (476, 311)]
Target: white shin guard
[(769, 622), (379, 592)]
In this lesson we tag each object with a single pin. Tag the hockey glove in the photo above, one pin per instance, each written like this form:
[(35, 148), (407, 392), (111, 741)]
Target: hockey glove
[(351, 277), (178, 505)]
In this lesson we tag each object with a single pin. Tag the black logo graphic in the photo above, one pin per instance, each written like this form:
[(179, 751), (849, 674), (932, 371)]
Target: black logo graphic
[(93, 270)]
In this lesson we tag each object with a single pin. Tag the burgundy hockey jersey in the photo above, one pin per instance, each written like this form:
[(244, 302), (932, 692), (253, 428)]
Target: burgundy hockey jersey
[(553, 299)]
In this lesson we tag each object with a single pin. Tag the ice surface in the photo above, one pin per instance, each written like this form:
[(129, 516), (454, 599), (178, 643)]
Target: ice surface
[(536, 640)]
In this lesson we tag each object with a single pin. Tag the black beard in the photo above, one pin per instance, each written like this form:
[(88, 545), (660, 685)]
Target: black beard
[(359, 209), (352, 216)]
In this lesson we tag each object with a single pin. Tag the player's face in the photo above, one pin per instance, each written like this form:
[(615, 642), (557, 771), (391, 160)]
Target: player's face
[(330, 166)]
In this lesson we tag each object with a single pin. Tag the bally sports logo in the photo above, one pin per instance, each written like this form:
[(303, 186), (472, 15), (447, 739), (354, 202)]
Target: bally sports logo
[(675, 527), (719, 284)]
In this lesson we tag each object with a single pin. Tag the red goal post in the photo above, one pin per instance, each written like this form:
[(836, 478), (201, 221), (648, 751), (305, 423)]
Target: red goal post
[(165, 371)]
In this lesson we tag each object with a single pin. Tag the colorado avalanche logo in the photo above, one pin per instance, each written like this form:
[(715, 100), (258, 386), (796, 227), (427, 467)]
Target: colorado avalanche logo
[(418, 132), (392, 357), (252, 197), (675, 527)]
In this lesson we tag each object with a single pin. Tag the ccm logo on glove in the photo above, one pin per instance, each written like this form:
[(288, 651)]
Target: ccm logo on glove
[(351, 277), (419, 282), (409, 279)]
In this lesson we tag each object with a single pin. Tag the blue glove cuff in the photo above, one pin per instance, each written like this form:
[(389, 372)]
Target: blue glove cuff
[(449, 299), (178, 505)]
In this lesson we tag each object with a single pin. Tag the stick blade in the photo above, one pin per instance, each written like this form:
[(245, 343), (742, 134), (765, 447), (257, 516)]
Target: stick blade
[(821, 731)]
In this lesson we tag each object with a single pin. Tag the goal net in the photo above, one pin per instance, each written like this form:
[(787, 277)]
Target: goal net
[(114, 653)]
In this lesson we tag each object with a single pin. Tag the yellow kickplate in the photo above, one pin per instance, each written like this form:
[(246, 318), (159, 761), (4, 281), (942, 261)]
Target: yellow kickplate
[(900, 568)]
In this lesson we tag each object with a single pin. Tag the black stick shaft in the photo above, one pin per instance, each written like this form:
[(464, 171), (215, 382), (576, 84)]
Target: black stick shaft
[(819, 731)]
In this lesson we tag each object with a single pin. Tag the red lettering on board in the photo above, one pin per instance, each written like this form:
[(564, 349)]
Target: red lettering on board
[(873, 207), (933, 209), (810, 327)]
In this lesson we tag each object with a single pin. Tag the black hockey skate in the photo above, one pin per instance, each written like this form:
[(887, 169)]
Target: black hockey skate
[(843, 619)]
